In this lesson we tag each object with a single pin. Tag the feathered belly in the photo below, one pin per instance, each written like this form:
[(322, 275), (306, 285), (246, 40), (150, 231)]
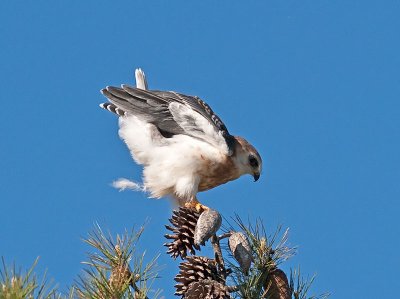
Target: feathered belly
[(180, 166)]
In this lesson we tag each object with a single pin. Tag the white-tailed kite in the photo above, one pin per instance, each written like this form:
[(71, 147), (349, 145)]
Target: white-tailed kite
[(183, 146)]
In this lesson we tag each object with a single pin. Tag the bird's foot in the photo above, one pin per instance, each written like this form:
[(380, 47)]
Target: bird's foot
[(196, 205)]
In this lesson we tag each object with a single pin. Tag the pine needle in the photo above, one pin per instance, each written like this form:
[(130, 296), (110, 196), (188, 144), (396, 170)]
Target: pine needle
[(115, 270)]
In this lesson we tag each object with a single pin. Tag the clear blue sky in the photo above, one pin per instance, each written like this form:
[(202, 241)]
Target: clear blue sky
[(313, 84)]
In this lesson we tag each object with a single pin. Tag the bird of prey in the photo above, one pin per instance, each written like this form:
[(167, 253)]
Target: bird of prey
[(182, 144)]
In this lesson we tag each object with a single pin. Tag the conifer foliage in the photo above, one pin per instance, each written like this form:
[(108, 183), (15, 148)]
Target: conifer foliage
[(245, 264)]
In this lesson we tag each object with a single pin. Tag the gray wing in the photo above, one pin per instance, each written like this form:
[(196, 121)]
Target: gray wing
[(156, 107)]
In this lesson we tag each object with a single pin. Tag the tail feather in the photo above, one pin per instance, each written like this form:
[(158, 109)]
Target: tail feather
[(141, 81)]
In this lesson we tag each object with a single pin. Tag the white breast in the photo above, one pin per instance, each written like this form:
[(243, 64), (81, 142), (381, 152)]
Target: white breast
[(171, 165)]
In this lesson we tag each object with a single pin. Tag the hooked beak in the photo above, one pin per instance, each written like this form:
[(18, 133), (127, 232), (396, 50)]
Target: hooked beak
[(256, 176)]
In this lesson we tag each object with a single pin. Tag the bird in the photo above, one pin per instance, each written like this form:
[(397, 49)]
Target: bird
[(183, 146)]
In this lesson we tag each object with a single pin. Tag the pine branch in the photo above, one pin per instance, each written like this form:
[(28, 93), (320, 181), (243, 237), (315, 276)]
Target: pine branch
[(17, 284), (253, 259), (114, 270), (245, 264), (301, 286)]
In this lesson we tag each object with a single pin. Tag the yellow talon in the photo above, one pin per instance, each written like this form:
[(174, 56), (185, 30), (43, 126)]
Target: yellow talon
[(195, 204)]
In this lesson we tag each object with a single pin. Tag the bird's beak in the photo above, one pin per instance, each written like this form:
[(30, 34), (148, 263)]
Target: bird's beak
[(256, 176)]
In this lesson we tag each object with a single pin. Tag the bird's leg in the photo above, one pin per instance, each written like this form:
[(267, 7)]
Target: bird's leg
[(193, 203)]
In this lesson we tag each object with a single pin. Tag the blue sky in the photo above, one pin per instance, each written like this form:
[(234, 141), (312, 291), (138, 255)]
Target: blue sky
[(314, 85)]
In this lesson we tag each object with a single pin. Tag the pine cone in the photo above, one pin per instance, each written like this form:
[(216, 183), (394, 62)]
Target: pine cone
[(241, 250), (208, 224), (278, 285), (207, 289), (184, 224), (194, 269)]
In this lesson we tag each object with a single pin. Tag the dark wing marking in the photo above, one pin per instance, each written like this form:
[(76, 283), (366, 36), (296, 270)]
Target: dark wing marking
[(144, 105), (196, 104), (153, 107)]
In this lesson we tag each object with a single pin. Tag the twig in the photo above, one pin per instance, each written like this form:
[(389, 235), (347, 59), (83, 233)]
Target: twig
[(218, 256), (224, 236), (232, 289), (135, 287)]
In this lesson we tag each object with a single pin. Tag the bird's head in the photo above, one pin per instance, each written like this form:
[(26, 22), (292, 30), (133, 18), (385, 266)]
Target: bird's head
[(248, 160)]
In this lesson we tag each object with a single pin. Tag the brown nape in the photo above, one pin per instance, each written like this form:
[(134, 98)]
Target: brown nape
[(245, 146)]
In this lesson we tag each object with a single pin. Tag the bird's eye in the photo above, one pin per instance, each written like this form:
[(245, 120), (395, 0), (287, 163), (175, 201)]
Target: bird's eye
[(253, 161)]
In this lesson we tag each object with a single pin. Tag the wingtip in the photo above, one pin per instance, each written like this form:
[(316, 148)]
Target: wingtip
[(127, 87), (104, 90)]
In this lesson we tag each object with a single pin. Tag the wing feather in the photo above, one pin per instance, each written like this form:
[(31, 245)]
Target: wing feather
[(197, 126), (173, 113)]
